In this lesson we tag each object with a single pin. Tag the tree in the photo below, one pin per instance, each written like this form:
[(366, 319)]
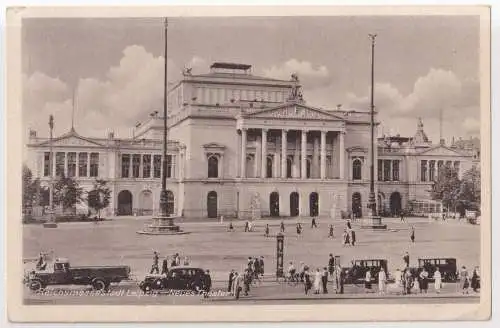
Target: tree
[(99, 196), (447, 187), (67, 192), (470, 189), (28, 192)]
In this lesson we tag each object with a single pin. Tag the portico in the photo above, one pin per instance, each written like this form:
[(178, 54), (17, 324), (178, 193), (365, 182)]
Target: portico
[(291, 141)]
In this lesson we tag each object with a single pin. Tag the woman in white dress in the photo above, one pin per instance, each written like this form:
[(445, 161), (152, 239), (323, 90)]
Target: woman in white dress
[(437, 281), (317, 281), (382, 280)]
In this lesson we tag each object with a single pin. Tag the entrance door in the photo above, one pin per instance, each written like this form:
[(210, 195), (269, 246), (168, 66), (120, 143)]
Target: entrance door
[(395, 203), (294, 204), (356, 205), (125, 203), (212, 204), (274, 204), (146, 202), (313, 204)]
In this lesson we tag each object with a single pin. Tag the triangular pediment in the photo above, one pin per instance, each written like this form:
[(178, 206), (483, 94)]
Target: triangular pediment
[(441, 151), (294, 111), (72, 139)]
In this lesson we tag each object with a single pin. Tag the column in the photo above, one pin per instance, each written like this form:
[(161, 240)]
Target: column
[(243, 153), (390, 170), (88, 164), (65, 164), (303, 155), (323, 155), (77, 171), (258, 157), (141, 166), (238, 155), (315, 167), (263, 167), (342, 154), (284, 144)]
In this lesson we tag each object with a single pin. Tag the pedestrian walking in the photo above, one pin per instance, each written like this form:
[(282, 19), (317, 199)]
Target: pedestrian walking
[(317, 281), (256, 270), (261, 265), (247, 226), (232, 275), (423, 282), (247, 281), (231, 227), (164, 266), (237, 283), (437, 281), (412, 234), (345, 238), (331, 265), (291, 272), (342, 279), (330, 234), (353, 237), (307, 280), (408, 281), (282, 226), (299, 229), (464, 280), (382, 281), (349, 224), (338, 277), (324, 280), (177, 259), (475, 280), (402, 216), (154, 267), (368, 281), (313, 223), (406, 259), (267, 230)]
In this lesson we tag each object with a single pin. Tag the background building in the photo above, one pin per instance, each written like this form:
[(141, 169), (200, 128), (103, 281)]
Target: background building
[(244, 145)]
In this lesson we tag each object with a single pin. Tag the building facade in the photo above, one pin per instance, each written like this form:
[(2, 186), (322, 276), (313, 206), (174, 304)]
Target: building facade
[(241, 145)]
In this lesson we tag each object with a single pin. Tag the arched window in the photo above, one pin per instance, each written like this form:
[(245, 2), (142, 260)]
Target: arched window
[(213, 167), (356, 169)]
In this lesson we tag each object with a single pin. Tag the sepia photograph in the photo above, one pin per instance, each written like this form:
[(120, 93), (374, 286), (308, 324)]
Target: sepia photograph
[(242, 161)]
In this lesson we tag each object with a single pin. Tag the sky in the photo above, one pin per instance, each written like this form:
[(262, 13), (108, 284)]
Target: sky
[(422, 65)]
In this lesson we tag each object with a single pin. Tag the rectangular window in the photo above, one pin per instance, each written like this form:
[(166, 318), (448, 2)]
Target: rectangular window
[(157, 166), (71, 164), (46, 164), (423, 171), (170, 165), (440, 168), (60, 164), (380, 167), (395, 170), (82, 164), (387, 170), (136, 165), (432, 170), (125, 165), (146, 166), (94, 164)]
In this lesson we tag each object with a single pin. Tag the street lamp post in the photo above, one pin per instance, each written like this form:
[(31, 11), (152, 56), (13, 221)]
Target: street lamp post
[(372, 203), (375, 221), (163, 224)]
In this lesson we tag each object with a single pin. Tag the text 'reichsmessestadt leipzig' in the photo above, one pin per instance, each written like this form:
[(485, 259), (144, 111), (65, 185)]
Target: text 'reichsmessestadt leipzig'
[(238, 143)]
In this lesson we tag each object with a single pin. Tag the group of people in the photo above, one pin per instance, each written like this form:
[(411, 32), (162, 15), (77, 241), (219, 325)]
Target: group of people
[(238, 282), (175, 261), (470, 281)]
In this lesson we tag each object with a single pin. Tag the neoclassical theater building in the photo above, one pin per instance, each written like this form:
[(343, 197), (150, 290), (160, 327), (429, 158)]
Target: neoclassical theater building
[(241, 145)]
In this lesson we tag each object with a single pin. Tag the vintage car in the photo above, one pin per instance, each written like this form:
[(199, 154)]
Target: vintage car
[(61, 273), (356, 273), (447, 266), (178, 278)]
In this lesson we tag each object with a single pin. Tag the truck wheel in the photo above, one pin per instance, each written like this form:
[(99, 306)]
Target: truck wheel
[(146, 288), (35, 285), (99, 284)]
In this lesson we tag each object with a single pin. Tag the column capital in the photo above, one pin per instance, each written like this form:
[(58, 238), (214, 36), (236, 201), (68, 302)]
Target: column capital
[(285, 130), (265, 130), (244, 129)]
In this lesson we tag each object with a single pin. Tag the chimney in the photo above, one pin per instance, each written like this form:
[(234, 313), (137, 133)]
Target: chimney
[(32, 134)]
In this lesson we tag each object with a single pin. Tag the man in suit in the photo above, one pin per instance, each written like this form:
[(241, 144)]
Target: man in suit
[(230, 281), (154, 267), (324, 280)]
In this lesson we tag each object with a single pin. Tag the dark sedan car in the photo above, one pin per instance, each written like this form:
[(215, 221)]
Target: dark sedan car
[(178, 278)]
